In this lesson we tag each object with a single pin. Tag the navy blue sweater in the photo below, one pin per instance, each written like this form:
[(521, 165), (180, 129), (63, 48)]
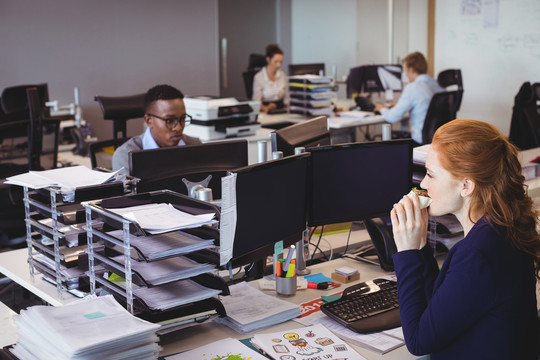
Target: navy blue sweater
[(481, 305)]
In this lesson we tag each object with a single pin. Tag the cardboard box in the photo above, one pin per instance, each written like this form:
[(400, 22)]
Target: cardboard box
[(345, 279)]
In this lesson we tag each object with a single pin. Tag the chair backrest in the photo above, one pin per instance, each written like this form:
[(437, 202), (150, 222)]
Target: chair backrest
[(120, 109), (451, 79), (256, 61), (248, 77), (101, 152), (442, 109), (525, 123)]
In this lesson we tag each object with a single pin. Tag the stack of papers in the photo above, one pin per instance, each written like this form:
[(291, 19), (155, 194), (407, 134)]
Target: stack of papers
[(175, 294), (249, 309), (66, 178), (312, 342), (167, 270), (160, 218), (164, 245), (96, 328)]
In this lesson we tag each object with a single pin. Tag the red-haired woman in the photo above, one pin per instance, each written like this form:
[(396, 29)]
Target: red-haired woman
[(482, 302)]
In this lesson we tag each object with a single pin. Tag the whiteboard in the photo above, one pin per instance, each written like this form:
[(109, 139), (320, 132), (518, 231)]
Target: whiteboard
[(496, 44)]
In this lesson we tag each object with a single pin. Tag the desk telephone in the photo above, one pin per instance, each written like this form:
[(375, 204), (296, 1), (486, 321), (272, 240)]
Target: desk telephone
[(380, 232)]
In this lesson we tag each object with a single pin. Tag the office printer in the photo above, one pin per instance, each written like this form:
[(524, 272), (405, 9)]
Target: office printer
[(219, 118)]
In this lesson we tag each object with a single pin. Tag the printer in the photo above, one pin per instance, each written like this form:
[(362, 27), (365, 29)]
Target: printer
[(219, 118)]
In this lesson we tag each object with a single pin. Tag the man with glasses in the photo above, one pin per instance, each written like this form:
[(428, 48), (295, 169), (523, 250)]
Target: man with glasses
[(166, 118)]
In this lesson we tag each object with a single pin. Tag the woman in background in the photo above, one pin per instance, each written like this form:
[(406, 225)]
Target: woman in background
[(482, 303), (270, 84)]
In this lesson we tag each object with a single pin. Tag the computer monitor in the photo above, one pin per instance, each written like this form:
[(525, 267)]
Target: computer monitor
[(303, 69), (357, 181), (309, 133), (374, 78), (165, 168), (271, 206)]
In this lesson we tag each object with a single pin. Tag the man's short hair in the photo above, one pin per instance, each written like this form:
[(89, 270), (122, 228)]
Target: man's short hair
[(417, 62), (161, 92)]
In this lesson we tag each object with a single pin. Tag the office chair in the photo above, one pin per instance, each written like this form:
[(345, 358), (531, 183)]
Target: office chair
[(441, 110), (248, 77), (525, 123), (120, 109), (256, 62), (101, 152), (28, 117), (451, 79)]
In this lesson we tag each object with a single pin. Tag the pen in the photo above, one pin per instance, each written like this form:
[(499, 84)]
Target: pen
[(289, 257)]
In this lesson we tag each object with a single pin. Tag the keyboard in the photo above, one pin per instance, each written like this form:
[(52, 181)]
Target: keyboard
[(366, 307)]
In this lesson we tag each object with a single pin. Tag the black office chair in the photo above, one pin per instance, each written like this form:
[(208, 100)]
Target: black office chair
[(100, 155), (256, 61), (451, 79), (248, 77), (525, 123), (255, 64), (120, 109), (27, 119), (441, 110)]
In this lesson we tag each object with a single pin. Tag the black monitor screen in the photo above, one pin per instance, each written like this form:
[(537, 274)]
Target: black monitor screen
[(308, 134), (357, 181), (304, 69), (374, 78), (271, 206), (165, 168)]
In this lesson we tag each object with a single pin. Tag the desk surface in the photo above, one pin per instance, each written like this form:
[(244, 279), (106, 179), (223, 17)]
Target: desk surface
[(203, 334), (8, 335), (14, 265)]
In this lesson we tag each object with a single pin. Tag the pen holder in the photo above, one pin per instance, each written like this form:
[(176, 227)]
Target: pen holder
[(286, 286)]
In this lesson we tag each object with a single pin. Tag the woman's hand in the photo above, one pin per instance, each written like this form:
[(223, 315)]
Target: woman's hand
[(409, 224)]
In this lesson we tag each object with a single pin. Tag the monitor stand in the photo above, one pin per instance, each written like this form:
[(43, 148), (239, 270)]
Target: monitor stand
[(193, 187)]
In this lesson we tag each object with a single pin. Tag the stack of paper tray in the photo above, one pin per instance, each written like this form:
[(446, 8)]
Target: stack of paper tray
[(156, 276), (311, 94)]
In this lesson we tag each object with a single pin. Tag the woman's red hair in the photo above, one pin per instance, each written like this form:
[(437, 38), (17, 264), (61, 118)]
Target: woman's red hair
[(477, 151)]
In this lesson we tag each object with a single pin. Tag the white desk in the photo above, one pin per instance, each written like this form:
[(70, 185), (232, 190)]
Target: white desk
[(203, 334), (8, 334), (14, 265)]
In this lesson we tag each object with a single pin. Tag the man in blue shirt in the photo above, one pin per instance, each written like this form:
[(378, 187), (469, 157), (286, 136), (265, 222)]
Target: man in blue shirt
[(165, 117), (416, 96)]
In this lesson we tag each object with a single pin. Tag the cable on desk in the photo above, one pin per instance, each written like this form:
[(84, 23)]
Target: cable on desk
[(348, 238), (318, 242)]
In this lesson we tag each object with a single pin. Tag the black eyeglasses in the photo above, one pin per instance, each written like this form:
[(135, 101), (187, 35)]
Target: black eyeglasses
[(172, 122)]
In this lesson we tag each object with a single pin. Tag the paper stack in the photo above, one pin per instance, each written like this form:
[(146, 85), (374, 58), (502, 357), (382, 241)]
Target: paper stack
[(161, 218), (222, 349), (96, 328), (249, 309)]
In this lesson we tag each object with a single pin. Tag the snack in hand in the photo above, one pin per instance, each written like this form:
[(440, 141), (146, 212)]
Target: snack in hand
[(425, 200)]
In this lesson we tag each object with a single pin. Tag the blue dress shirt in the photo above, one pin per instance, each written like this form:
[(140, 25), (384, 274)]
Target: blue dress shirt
[(415, 99), (482, 304)]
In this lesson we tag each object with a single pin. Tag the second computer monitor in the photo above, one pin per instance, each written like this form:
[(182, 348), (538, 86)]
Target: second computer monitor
[(271, 206), (165, 168), (307, 134), (357, 181)]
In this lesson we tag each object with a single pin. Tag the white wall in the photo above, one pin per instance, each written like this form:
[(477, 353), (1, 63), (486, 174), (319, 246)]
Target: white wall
[(496, 50), (109, 48), (324, 31), (418, 26)]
